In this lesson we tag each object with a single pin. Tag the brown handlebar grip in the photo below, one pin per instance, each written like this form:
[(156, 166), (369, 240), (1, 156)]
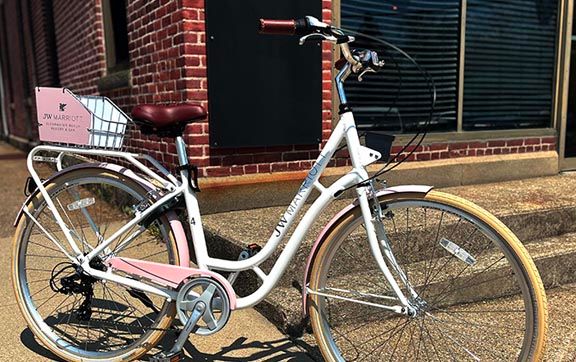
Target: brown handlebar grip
[(279, 27)]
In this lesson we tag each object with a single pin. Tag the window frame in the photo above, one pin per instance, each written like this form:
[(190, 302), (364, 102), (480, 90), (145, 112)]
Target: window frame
[(112, 63), (117, 75), (563, 79), (557, 111)]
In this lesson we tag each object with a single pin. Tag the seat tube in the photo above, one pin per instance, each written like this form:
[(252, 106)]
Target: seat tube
[(181, 151), (194, 218)]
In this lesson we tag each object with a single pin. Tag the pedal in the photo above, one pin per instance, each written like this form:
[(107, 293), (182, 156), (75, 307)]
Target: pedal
[(246, 253), (167, 357), (251, 250)]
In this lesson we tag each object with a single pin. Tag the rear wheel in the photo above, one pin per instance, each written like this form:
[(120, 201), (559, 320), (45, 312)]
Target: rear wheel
[(479, 295), (92, 320)]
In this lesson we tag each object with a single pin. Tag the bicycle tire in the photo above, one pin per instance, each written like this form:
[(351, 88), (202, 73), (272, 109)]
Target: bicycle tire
[(88, 177), (329, 330)]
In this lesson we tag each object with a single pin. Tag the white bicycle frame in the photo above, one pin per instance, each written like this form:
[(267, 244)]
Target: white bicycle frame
[(360, 157)]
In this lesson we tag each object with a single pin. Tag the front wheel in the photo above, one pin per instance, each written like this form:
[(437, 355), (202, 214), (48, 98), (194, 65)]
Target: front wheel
[(478, 293)]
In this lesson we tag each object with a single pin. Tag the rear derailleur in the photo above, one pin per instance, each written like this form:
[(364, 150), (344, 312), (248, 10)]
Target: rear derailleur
[(77, 282)]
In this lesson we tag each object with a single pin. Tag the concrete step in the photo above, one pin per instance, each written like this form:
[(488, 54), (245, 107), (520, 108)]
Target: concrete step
[(534, 209), (221, 194), (555, 258)]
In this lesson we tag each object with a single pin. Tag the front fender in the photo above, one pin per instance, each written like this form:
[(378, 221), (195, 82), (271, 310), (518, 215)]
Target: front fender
[(419, 189), (175, 224)]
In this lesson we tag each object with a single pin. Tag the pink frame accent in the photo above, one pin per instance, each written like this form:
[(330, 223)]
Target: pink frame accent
[(421, 189), (166, 274)]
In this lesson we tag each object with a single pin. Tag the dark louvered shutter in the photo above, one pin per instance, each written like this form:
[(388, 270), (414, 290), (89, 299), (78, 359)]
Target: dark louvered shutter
[(428, 30), (509, 64)]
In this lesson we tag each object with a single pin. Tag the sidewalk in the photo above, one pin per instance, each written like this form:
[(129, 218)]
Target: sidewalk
[(247, 337)]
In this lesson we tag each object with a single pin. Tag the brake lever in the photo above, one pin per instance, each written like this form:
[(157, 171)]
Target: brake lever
[(361, 75), (379, 65), (321, 37)]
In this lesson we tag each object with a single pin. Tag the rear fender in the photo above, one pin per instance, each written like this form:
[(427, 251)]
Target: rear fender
[(175, 224), (420, 189)]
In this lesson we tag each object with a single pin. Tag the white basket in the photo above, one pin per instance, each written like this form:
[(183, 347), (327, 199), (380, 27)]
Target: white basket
[(86, 121)]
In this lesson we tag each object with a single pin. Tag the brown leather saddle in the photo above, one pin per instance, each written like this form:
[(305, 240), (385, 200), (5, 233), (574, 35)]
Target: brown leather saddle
[(166, 120)]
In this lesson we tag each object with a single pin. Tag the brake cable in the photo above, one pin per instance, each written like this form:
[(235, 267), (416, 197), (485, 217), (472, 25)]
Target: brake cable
[(420, 133)]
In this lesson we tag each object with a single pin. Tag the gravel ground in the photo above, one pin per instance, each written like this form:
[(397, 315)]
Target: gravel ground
[(248, 337)]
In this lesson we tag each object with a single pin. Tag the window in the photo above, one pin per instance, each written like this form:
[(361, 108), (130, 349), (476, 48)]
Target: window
[(116, 34), (509, 64), (429, 32), (505, 52)]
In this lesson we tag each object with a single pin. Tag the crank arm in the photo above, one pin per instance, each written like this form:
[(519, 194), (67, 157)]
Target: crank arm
[(198, 312)]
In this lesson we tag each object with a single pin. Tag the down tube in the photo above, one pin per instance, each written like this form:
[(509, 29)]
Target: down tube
[(293, 244), (289, 215)]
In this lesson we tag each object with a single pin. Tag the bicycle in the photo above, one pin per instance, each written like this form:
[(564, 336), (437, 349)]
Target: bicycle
[(101, 266)]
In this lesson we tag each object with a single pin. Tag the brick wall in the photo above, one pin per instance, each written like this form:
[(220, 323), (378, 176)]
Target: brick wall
[(167, 47), (445, 150), (168, 61), (80, 43)]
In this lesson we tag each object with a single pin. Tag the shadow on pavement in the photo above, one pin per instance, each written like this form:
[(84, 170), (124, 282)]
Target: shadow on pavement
[(277, 350), (29, 341)]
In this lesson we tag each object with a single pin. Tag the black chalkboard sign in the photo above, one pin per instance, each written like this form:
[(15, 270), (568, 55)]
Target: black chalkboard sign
[(263, 90)]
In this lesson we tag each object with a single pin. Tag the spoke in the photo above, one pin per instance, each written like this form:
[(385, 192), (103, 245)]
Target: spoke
[(134, 308), (484, 311), (150, 256), (109, 290), (431, 339), (72, 228), (455, 340), (38, 291), (138, 244), (465, 284), (448, 260), (397, 342), (45, 301), (47, 256), (395, 330), (363, 324), (462, 322), (44, 246), (39, 270), (37, 281), (451, 335), (59, 305), (374, 283)]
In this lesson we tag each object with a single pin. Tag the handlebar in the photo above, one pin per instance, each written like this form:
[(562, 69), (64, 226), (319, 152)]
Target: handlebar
[(359, 61), (310, 28), (283, 27)]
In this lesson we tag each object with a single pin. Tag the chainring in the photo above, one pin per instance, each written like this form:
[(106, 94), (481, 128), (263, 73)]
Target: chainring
[(217, 312)]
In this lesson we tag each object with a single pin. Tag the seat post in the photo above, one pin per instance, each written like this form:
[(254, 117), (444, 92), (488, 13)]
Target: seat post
[(181, 151)]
